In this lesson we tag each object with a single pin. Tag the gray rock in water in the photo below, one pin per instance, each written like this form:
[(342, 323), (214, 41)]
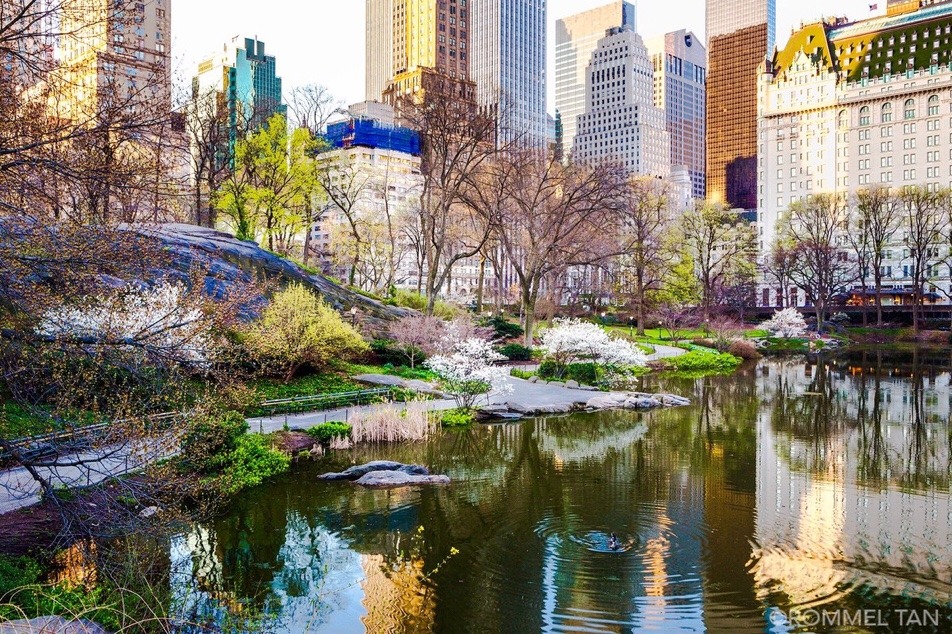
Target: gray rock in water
[(51, 625), (389, 479), (358, 471)]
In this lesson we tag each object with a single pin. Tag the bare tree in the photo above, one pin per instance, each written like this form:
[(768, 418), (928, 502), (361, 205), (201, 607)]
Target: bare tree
[(924, 221), (348, 187), (644, 215), (877, 218), (718, 240), (822, 267), (777, 266), (312, 106), (458, 140), (549, 217)]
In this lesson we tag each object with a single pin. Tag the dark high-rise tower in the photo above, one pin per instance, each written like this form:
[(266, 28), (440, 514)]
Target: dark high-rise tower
[(740, 34)]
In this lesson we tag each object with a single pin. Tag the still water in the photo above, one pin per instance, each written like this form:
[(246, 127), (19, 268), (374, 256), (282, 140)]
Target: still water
[(790, 497)]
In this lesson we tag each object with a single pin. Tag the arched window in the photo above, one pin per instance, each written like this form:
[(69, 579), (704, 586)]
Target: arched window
[(909, 109), (886, 115), (864, 115), (934, 106), (843, 119)]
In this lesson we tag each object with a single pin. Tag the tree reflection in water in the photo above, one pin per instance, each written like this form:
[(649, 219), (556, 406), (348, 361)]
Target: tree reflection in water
[(789, 483)]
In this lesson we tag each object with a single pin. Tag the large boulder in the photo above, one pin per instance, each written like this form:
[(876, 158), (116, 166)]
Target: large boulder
[(230, 262), (391, 479), (358, 471), (51, 625)]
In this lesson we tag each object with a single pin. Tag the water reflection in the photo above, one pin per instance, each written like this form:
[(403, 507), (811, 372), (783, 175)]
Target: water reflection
[(787, 485)]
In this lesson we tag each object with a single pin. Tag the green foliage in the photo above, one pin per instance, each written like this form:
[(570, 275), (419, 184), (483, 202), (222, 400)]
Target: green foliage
[(703, 360), (16, 422), (308, 385), (416, 301), (548, 369), (586, 373), (387, 351), (516, 352), (22, 593), (209, 439), (503, 328), (459, 417), (251, 463), (402, 371), (298, 329), (521, 374), (329, 431)]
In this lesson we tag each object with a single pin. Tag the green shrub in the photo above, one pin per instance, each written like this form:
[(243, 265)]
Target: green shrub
[(251, 463), (387, 351), (548, 369), (329, 431), (521, 374), (457, 418), (586, 373), (416, 301), (516, 352), (703, 361), (503, 328), (298, 329), (208, 440)]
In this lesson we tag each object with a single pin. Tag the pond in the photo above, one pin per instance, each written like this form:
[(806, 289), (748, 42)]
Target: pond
[(790, 497)]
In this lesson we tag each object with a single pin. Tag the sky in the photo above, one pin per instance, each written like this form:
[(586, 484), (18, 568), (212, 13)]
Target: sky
[(322, 41)]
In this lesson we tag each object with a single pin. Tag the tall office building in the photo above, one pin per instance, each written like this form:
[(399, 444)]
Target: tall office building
[(621, 124), (576, 37), (379, 47), (507, 63), (740, 34), (429, 39), (122, 59), (246, 80), (680, 74), (847, 106)]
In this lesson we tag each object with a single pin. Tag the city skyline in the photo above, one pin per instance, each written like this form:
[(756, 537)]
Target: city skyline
[(330, 49)]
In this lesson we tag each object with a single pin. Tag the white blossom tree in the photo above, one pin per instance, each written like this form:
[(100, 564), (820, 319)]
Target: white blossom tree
[(159, 322), (469, 373), (575, 341), (786, 324)]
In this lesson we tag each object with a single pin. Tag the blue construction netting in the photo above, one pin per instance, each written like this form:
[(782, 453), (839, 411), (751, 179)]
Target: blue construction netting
[(373, 134)]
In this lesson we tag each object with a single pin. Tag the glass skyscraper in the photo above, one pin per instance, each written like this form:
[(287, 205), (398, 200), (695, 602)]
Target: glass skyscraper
[(740, 36)]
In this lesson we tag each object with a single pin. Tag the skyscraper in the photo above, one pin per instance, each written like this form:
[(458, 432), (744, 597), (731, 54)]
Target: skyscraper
[(428, 37), (621, 123), (740, 34), (576, 37), (247, 81), (119, 61), (507, 63), (680, 73), (379, 46)]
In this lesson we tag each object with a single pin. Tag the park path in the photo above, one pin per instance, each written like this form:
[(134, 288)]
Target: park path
[(664, 352)]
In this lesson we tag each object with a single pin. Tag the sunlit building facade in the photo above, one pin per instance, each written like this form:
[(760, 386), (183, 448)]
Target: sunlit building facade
[(680, 76), (740, 34), (621, 123), (854, 105), (576, 38), (507, 63)]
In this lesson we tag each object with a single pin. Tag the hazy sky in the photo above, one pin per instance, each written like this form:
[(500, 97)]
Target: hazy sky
[(322, 41)]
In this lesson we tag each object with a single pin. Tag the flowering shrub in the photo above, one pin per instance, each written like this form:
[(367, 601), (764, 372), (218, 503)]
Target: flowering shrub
[(786, 324), (468, 372), (157, 321), (575, 341)]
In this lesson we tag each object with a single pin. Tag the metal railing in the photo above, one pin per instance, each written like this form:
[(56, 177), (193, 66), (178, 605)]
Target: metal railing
[(317, 402)]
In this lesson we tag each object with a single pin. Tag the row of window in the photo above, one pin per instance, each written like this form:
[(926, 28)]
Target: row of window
[(886, 112)]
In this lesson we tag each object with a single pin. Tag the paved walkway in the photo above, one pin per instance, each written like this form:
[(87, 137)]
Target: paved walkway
[(664, 352)]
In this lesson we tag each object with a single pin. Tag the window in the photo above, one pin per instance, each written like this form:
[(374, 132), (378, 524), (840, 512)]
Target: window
[(933, 106), (864, 115), (909, 109), (886, 113)]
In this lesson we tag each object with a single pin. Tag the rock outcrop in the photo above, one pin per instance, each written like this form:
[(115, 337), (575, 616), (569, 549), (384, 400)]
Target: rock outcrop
[(229, 262), (51, 625), (387, 474)]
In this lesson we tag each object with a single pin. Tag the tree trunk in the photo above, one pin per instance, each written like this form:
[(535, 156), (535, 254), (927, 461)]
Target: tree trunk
[(879, 299), (529, 302), (480, 284), (640, 292)]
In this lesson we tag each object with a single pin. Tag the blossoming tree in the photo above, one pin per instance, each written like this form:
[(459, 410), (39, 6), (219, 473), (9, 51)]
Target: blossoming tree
[(786, 324), (468, 372), (575, 341)]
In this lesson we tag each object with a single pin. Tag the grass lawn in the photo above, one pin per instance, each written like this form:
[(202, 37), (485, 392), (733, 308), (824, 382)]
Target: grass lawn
[(16, 422)]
